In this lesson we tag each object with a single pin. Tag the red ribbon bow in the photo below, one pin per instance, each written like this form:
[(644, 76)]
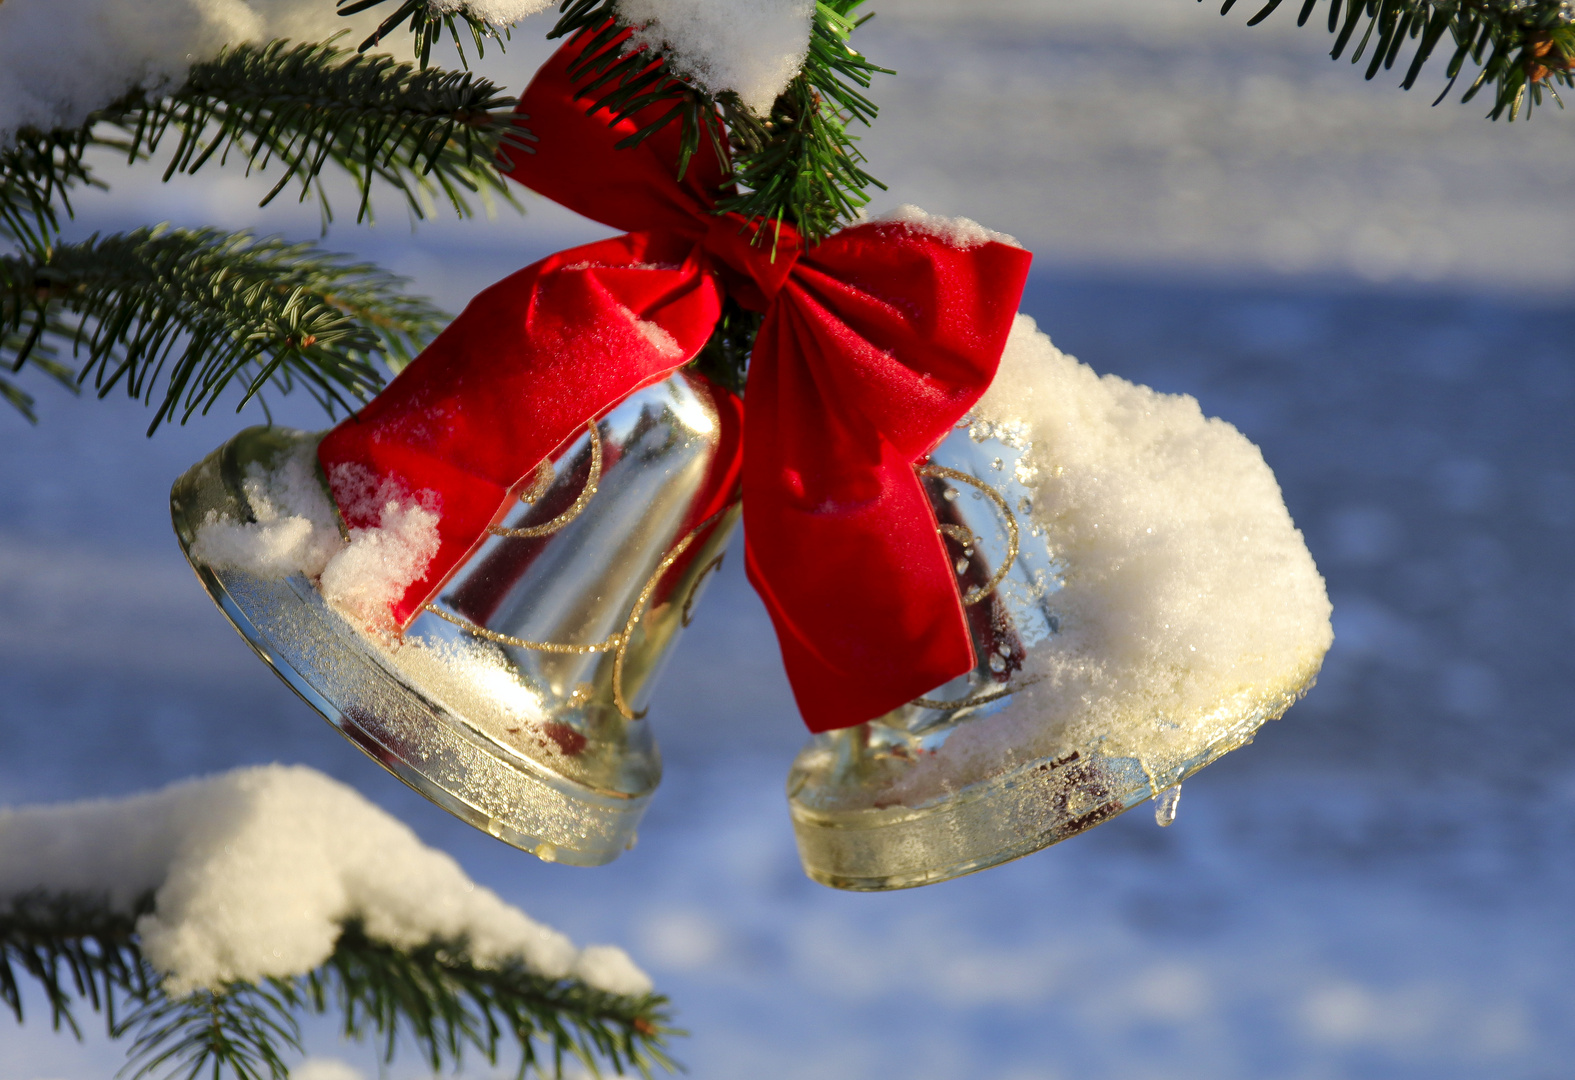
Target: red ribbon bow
[(874, 344)]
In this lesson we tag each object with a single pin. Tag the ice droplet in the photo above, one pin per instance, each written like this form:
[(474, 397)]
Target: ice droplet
[(997, 464), (1004, 649), (968, 551), (962, 566), (950, 494), (1165, 806), (997, 662)]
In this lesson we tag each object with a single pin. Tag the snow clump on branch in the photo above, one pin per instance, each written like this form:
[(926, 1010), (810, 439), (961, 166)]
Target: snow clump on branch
[(62, 59), (498, 13), (751, 47), (255, 872)]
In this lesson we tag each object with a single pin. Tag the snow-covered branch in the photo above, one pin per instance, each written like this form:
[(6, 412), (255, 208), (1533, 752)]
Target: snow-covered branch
[(202, 917)]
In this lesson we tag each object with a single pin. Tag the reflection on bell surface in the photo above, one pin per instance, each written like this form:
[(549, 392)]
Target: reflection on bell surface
[(515, 700), (1139, 603)]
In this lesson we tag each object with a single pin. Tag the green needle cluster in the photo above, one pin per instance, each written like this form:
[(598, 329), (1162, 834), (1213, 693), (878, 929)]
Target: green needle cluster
[(178, 316), (175, 316), (1521, 48), (80, 950)]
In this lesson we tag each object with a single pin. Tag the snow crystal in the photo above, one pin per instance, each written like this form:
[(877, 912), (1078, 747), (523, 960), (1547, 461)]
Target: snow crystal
[(752, 47), (296, 533), (958, 232), (665, 344), (61, 59), (1188, 599), (253, 873)]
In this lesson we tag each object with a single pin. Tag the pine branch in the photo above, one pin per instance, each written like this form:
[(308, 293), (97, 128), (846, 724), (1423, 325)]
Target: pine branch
[(78, 949), (427, 23), (37, 175), (244, 1029), (192, 311), (1521, 47), (75, 948), (305, 106), (447, 1004), (800, 165)]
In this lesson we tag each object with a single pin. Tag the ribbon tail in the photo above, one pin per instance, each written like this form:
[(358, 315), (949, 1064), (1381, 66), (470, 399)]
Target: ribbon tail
[(520, 371), (882, 339), (842, 546)]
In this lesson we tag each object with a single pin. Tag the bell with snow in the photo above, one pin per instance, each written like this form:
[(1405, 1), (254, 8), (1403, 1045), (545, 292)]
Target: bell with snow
[(509, 688), (1139, 602), (1013, 599)]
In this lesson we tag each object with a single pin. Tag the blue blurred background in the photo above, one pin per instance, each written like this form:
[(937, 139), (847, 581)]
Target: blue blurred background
[(1377, 293)]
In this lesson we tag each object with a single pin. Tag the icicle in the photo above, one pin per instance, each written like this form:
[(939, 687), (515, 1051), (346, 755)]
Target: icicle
[(1165, 806)]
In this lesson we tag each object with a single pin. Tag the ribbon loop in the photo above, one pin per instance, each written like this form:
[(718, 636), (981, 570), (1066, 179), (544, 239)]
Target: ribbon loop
[(873, 344)]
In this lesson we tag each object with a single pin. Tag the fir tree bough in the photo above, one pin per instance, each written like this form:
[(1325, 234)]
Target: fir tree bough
[(175, 316), (300, 107), (1520, 47), (426, 24), (81, 951)]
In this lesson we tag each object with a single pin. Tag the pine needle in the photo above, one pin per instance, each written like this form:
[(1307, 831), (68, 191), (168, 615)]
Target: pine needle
[(298, 109), (1522, 48), (302, 107), (176, 316), (80, 950)]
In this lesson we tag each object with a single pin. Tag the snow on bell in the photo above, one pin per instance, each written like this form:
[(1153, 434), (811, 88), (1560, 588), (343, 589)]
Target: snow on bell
[(1140, 603), (515, 699)]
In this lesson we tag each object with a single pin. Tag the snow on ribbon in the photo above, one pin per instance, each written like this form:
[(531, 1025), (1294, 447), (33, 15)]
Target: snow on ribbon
[(254, 872)]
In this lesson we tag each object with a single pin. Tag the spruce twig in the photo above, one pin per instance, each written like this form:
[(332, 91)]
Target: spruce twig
[(76, 949), (1522, 48), (37, 174), (427, 24), (447, 1006), (306, 106), (301, 108), (178, 315), (79, 949)]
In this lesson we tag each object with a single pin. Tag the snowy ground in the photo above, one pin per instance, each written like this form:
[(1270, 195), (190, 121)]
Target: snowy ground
[(1378, 888)]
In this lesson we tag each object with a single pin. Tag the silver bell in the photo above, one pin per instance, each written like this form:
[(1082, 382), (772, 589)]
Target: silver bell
[(1049, 736), (515, 700)]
